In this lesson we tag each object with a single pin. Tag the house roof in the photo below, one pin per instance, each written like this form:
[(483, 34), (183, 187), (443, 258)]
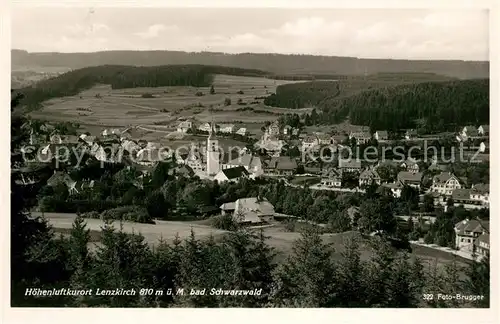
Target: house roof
[(438, 167), (461, 194), (228, 206), (484, 238), (331, 173), (394, 185), (481, 188), (60, 177), (246, 159), (251, 209), (473, 225), (382, 133), (410, 176), (443, 177), (151, 155), (361, 134), (235, 173), (486, 128), (349, 164)]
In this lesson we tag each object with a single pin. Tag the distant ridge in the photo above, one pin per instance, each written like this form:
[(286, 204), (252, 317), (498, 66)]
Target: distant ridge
[(275, 63)]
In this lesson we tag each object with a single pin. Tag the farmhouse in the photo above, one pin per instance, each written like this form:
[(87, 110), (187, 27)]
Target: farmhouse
[(481, 192), (368, 177), (331, 178), (195, 160), (444, 183), (381, 136), (468, 231), (231, 174), (88, 139), (484, 130), (253, 210), (412, 179), (482, 244)]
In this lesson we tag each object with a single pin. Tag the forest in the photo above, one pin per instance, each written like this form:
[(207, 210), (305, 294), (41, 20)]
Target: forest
[(120, 76), (435, 105)]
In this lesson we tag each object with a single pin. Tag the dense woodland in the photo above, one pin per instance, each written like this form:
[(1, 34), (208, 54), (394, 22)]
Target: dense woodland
[(120, 76), (435, 105), (275, 63)]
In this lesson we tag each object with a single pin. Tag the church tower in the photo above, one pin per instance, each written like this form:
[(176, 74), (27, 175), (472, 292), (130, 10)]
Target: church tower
[(213, 163)]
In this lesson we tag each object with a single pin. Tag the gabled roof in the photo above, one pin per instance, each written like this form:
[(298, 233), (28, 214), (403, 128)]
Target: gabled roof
[(473, 225), (60, 177), (444, 177), (484, 238), (486, 128), (331, 173), (382, 133), (251, 209), (361, 134), (394, 185), (228, 206), (235, 173), (481, 188)]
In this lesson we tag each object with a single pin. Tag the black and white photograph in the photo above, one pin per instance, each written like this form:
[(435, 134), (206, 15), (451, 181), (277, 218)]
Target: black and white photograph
[(218, 157)]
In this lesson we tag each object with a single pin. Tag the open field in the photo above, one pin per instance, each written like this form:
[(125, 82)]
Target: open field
[(102, 106), (278, 237)]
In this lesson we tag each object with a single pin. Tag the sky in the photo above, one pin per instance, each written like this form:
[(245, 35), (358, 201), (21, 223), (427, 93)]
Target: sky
[(368, 33)]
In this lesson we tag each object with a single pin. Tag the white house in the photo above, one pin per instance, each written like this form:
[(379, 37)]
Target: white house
[(481, 192), (444, 183), (309, 143), (395, 188), (205, 127), (369, 176), (467, 232), (381, 136), (273, 129), (469, 131), (331, 178), (362, 137)]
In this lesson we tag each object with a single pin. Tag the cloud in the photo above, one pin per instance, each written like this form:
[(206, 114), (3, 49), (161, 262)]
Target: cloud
[(154, 31)]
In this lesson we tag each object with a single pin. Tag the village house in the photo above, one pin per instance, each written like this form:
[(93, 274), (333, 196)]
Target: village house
[(410, 165), (287, 130), (339, 138), (88, 139), (381, 136), (273, 129), (481, 192), (362, 137), (482, 245), (396, 188), (74, 187), (231, 174), (242, 131), (484, 130), (464, 197), (253, 210), (444, 183), (226, 128), (184, 126), (324, 139), (369, 176), (280, 166), (64, 139), (468, 231), (149, 156), (309, 143), (195, 160), (350, 165), (131, 147), (295, 132), (410, 134), (469, 132), (253, 164), (331, 178), (412, 179), (205, 127)]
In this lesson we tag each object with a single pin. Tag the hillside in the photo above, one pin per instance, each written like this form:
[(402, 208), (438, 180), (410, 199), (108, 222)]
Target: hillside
[(119, 77), (435, 104), (275, 63), (309, 94)]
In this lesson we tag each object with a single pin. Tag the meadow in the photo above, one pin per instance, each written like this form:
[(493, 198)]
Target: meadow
[(101, 106)]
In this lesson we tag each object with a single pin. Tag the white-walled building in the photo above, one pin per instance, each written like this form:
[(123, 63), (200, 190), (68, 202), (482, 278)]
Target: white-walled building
[(213, 154)]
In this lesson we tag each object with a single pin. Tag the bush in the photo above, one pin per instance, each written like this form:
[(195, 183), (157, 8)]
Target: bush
[(240, 92), (199, 94), (147, 95), (224, 222), (227, 102), (128, 213), (91, 214)]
